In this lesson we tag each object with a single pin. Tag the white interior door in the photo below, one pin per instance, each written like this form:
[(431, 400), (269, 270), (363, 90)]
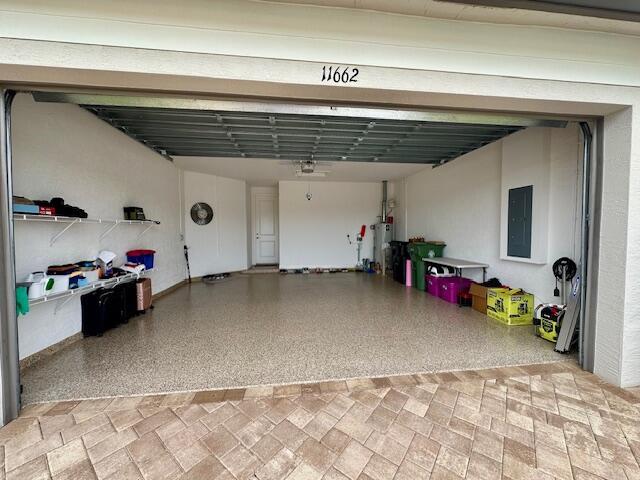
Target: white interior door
[(265, 227)]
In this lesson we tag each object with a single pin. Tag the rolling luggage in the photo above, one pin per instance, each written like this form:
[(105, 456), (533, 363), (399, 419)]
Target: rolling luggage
[(143, 287), (97, 312), (116, 308), (128, 300)]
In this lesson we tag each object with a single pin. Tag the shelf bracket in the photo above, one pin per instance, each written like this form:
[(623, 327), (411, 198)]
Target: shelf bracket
[(108, 231), (145, 230), (63, 302), (59, 234)]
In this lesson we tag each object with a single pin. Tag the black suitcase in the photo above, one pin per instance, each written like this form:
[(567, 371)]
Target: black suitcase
[(127, 298), (130, 299), (116, 313), (97, 308)]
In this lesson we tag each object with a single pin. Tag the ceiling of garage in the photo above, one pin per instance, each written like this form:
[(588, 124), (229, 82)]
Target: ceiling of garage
[(257, 171)]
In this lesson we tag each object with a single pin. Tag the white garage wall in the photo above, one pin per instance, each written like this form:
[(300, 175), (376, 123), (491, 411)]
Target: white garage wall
[(460, 203), (526, 160), (62, 150), (220, 246), (314, 233)]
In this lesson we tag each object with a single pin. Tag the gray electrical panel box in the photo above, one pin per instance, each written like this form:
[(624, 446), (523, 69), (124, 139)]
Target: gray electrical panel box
[(519, 222)]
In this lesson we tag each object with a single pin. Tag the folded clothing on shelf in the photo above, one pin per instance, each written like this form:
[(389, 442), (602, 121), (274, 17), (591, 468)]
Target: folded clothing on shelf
[(17, 200), (89, 270), (136, 268), (62, 269)]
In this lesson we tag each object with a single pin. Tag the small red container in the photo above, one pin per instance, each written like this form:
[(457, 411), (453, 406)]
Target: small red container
[(464, 298), (450, 287), (47, 211)]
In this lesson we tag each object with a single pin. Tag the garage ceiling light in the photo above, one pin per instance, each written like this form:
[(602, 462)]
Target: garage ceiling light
[(211, 128)]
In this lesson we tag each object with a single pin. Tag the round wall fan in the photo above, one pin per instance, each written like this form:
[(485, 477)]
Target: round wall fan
[(201, 213)]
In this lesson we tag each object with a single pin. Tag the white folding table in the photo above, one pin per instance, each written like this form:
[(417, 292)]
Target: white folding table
[(458, 265)]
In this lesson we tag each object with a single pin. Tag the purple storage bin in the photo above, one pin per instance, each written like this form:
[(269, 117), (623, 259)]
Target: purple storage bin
[(433, 285), (450, 286)]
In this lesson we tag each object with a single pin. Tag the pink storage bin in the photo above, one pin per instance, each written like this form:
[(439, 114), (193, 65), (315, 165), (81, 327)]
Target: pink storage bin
[(450, 286)]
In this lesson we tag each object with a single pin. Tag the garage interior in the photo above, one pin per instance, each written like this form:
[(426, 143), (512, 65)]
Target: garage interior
[(288, 189)]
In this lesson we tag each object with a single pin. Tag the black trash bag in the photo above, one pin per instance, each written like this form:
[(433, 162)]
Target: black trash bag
[(492, 283)]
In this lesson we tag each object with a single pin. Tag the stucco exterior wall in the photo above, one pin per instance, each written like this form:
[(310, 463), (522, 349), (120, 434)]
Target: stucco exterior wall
[(630, 355), (503, 76)]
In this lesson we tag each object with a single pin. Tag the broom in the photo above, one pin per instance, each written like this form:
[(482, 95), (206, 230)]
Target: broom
[(186, 257)]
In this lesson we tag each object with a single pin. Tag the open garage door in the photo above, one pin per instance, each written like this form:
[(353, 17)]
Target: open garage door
[(184, 127)]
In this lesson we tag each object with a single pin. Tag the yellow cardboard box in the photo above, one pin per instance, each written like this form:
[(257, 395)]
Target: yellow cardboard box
[(511, 307)]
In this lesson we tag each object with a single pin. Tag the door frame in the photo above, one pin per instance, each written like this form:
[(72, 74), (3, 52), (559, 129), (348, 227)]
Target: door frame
[(9, 355), (254, 244)]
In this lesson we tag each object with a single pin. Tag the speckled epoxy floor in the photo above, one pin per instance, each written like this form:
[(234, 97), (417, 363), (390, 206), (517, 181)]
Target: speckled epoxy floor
[(273, 329)]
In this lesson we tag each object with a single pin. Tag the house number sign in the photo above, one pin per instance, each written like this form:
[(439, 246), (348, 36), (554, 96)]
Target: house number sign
[(339, 74)]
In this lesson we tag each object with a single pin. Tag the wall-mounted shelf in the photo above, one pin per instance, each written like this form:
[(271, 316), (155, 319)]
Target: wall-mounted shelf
[(71, 221), (69, 294)]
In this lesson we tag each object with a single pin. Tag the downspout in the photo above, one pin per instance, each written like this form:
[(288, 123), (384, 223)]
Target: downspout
[(587, 140), (9, 365)]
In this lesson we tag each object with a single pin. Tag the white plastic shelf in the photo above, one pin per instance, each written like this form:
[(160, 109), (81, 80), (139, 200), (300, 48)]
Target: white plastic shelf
[(68, 294), (70, 221)]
